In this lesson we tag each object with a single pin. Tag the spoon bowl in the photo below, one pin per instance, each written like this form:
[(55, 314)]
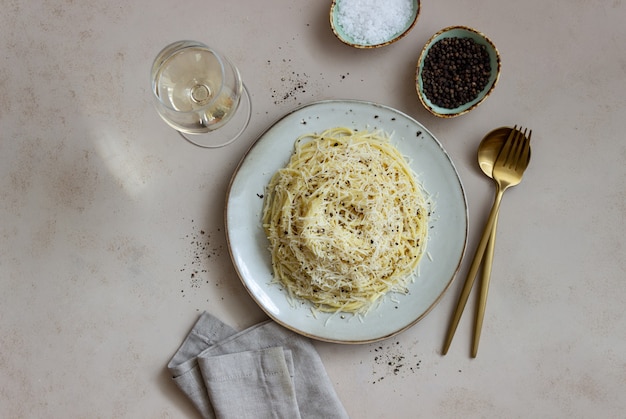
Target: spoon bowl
[(490, 147)]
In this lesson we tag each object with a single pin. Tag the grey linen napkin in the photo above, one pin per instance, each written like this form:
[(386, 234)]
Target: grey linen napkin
[(265, 371)]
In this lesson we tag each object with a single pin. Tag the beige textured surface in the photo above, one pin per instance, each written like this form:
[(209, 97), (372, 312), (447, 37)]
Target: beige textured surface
[(112, 235)]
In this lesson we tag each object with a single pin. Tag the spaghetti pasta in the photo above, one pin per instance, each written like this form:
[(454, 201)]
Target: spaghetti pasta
[(346, 220)]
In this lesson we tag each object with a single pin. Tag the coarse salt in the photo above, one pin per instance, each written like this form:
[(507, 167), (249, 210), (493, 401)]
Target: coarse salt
[(371, 22)]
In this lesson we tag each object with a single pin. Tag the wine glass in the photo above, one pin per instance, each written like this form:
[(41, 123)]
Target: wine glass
[(199, 93)]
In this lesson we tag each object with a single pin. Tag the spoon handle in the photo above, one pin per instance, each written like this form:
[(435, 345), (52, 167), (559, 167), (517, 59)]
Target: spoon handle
[(484, 287), (471, 276)]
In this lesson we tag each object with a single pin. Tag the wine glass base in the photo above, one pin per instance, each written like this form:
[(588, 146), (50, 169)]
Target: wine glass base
[(229, 132)]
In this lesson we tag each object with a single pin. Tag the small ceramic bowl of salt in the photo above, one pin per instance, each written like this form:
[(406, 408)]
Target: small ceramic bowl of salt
[(372, 23)]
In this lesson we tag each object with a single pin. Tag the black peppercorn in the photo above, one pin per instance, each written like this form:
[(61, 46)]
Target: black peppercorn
[(455, 71)]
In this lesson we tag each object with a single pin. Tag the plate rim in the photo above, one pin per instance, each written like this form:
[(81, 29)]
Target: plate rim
[(246, 285)]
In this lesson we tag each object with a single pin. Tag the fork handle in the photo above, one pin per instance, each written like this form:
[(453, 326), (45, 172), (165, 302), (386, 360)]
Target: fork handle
[(484, 287), (473, 270)]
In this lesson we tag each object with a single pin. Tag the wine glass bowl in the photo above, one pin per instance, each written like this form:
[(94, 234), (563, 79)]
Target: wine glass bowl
[(200, 93)]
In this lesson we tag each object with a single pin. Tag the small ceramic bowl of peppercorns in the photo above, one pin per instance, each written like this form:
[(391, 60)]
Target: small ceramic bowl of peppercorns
[(456, 71)]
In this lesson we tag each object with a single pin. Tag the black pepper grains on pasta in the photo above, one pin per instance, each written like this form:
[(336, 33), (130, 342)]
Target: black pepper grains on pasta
[(455, 71)]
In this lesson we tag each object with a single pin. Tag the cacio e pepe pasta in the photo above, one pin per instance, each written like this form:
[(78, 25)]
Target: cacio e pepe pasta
[(346, 219)]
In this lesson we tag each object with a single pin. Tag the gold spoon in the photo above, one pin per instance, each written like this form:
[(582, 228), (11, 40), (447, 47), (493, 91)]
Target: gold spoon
[(510, 168), (488, 152)]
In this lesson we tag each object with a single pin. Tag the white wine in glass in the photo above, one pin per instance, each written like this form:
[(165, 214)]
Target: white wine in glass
[(199, 93)]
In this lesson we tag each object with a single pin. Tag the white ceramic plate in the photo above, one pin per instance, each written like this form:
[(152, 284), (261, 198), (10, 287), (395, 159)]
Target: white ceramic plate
[(447, 235)]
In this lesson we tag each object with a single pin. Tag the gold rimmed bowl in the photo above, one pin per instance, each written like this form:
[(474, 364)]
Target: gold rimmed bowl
[(451, 87), (359, 26)]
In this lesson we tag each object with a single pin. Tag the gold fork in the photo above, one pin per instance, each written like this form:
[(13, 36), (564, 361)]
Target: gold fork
[(508, 170)]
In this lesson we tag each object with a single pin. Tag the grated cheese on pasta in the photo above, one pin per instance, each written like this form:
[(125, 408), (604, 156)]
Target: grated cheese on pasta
[(346, 220)]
